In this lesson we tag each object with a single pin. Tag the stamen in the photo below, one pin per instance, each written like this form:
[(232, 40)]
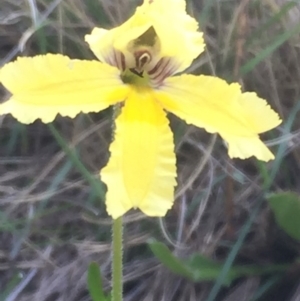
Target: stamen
[(140, 74), (142, 58)]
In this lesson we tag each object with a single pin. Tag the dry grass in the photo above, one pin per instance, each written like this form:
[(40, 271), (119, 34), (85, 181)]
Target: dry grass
[(52, 224)]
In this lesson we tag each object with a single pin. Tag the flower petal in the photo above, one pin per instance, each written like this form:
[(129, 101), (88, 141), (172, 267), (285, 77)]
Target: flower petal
[(245, 147), (102, 41), (211, 103), (142, 168), (180, 40), (47, 85)]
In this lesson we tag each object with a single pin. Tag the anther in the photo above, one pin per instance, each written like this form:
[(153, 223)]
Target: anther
[(140, 74), (142, 58)]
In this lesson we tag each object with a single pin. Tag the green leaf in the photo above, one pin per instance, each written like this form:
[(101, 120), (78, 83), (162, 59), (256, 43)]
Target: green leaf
[(205, 269), (197, 268), (200, 268), (286, 209), (174, 264), (94, 282)]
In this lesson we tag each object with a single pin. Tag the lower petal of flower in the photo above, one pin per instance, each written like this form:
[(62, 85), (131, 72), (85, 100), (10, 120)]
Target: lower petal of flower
[(47, 85), (211, 103), (141, 171)]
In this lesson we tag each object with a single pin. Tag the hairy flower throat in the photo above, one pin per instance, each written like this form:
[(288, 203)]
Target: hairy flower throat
[(141, 62)]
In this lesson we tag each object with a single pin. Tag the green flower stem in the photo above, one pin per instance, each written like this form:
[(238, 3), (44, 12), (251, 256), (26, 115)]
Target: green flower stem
[(117, 260)]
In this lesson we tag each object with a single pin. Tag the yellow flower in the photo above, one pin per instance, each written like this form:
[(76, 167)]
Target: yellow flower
[(137, 62)]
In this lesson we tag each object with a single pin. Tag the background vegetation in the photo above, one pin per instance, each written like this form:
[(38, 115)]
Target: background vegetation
[(231, 237)]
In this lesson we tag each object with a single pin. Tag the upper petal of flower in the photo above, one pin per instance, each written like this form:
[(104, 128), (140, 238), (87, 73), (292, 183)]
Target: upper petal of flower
[(177, 33), (142, 168), (47, 85), (211, 103)]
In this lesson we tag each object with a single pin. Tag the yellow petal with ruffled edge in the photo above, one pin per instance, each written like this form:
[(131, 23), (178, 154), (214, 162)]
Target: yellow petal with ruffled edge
[(142, 168), (211, 103), (47, 85), (179, 40), (177, 31), (102, 41), (245, 147)]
